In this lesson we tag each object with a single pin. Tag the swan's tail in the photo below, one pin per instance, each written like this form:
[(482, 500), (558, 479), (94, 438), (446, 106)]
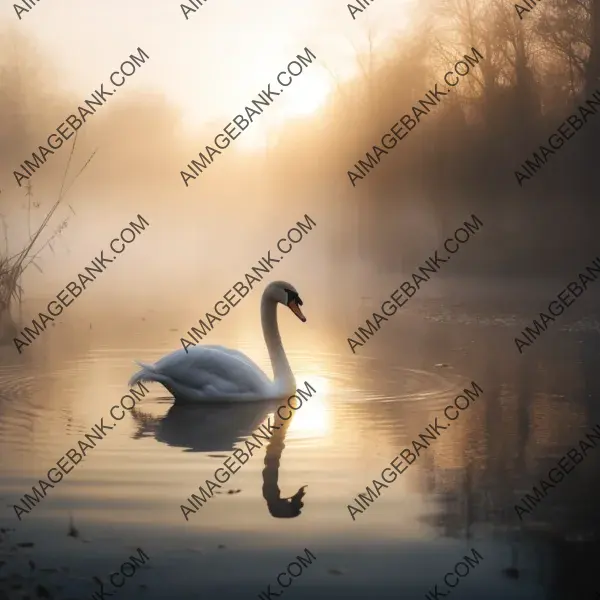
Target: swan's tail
[(147, 373)]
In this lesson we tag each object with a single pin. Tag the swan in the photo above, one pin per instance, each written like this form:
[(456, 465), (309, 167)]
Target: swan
[(215, 373)]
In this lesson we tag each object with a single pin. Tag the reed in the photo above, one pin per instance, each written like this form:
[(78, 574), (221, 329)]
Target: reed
[(13, 267)]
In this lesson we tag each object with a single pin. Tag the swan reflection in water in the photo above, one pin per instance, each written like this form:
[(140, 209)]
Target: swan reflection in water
[(217, 428), (280, 508)]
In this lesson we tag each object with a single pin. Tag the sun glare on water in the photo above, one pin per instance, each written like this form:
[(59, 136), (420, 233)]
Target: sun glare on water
[(311, 420)]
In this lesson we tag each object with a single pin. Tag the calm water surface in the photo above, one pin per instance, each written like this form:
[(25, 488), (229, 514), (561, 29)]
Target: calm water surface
[(457, 496)]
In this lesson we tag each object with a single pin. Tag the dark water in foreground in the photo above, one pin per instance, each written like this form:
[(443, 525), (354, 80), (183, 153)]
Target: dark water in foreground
[(457, 496)]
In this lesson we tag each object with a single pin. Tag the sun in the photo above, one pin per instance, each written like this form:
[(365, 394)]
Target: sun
[(305, 96)]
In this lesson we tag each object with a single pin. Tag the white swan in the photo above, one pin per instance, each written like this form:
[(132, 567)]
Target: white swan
[(216, 373)]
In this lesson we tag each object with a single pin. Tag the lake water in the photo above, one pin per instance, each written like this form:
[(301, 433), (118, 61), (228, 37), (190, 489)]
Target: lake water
[(458, 496)]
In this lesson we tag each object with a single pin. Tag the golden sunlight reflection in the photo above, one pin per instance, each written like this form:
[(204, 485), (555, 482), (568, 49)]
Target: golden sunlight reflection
[(312, 419), (320, 383)]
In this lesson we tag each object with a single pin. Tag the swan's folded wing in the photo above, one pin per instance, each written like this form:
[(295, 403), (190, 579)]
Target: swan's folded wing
[(213, 371), (239, 355)]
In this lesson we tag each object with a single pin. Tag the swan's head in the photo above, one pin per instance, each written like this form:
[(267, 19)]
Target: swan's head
[(285, 293)]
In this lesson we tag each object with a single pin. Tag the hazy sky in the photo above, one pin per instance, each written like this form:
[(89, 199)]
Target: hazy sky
[(210, 66), (217, 61)]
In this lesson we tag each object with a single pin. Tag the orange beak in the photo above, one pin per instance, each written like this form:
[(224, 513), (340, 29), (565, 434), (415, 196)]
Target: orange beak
[(293, 306)]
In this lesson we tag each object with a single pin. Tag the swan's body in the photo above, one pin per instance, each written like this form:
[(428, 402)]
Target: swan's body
[(215, 373)]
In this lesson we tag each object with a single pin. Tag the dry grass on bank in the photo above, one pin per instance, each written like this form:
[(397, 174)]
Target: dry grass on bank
[(13, 266)]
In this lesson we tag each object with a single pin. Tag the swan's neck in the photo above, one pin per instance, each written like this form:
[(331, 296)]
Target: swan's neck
[(282, 373)]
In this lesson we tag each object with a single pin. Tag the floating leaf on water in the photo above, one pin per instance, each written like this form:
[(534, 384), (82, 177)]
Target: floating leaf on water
[(511, 572), (73, 531), (42, 592)]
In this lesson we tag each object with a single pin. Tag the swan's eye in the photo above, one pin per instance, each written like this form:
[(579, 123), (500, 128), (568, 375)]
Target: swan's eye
[(293, 296), (294, 303)]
